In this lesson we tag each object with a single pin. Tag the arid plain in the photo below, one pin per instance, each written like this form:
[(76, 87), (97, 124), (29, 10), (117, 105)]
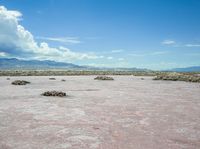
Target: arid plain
[(126, 113)]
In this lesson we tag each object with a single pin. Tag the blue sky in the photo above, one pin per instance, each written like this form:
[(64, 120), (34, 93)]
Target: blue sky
[(154, 34)]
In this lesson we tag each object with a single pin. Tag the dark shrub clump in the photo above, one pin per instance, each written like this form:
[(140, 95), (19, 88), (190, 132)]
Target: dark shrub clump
[(103, 78), (54, 93), (20, 82), (52, 78), (178, 77)]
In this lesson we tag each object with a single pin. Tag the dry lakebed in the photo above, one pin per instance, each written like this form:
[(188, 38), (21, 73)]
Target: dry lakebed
[(125, 113)]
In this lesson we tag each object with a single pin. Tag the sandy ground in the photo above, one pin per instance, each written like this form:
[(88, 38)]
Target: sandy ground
[(127, 113)]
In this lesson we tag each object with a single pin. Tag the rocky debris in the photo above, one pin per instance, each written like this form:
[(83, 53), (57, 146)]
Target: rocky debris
[(142, 78), (63, 80), (54, 93), (52, 78), (7, 78), (178, 77), (103, 78), (20, 82)]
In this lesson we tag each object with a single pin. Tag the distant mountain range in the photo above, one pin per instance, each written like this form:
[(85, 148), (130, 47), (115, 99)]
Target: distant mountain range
[(15, 64), (187, 69)]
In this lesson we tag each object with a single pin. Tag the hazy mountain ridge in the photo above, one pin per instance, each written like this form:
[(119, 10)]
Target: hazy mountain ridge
[(187, 69), (14, 63)]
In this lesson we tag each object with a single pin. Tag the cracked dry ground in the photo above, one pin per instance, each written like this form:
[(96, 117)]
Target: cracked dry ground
[(127, 113)]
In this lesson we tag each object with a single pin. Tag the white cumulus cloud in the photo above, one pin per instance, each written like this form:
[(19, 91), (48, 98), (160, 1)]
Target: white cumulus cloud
[(168, 42), (117, 51), (67, 40), (110, 57), (16, 41), (2, 54), (192, 45)]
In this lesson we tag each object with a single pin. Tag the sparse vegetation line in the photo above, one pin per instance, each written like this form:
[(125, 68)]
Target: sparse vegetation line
[(72, 73), (178, 77), (77, 73)]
